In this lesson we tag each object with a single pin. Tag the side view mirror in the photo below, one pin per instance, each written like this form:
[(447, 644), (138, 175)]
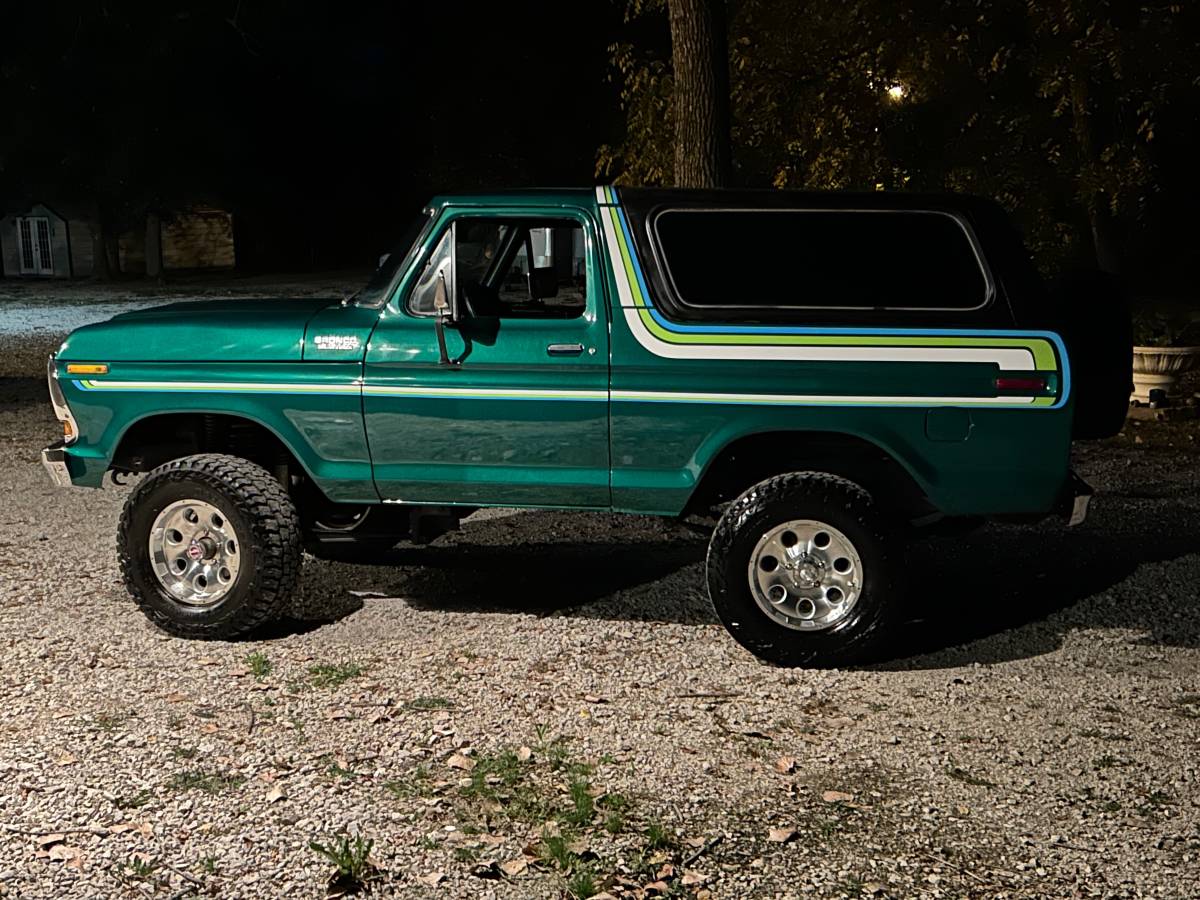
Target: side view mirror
[(543, 283)]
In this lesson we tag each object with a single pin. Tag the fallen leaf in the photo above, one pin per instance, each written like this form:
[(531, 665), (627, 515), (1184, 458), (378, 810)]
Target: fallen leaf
[(514, 867), (276, 793), (667, 871), (837, 797), (433, 879), (660, 886), (524, 753), (47, 839), (62, 853), (692, 878), (337, 714), (785, 764), (207, 661), (781, 835), (239, 671), (209, 728), (175, 698), (458, 761), (695, 841), (592, 698), (66, 759)]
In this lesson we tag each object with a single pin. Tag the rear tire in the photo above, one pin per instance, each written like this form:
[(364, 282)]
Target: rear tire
[(804, 512), (232, 531)]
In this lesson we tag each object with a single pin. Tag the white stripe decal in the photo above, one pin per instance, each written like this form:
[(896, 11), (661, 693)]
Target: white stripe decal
[(467, 393), (222, 386), (810, 399), (485, 393), (1009, 359)]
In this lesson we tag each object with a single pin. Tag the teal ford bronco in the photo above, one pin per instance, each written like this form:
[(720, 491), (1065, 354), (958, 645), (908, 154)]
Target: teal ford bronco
[(820, 372)]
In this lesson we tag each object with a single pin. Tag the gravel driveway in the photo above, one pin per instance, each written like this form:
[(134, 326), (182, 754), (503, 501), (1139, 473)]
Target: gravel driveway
[(544, 703)]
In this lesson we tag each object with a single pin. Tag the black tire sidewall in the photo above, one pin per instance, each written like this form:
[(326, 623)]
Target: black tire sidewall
[(151, 498), (835, 502)]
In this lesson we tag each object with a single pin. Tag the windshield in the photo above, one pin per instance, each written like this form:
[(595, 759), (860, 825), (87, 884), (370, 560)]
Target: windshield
[(382, 282)]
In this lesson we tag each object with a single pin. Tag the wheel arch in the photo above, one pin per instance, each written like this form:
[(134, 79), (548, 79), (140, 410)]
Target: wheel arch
[(746, 459), (170, 435)]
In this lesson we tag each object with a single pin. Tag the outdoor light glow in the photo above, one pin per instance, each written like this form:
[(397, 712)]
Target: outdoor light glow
[(896, 92)]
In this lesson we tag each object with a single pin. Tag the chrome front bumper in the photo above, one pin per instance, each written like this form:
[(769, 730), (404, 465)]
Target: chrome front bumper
[(55, 460)]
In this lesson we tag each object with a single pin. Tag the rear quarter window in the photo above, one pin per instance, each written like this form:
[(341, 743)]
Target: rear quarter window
[(781, 259)]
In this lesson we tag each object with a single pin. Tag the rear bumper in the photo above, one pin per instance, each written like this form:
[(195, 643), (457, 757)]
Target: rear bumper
[(54, 458), (1075, 499)]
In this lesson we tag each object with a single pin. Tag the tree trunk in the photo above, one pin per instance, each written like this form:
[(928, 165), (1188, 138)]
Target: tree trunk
[(154, 263), (1105, 243), (700, 58), (1104, 238)]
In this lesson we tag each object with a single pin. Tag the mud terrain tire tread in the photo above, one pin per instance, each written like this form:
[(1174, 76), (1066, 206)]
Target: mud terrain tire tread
[(828, 498), (268, 523)]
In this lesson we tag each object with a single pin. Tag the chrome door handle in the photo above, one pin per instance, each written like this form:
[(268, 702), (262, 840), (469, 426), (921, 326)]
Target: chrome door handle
[(565, 349)]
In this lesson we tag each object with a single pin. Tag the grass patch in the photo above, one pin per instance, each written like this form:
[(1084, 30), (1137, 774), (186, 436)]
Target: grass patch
[(208, 782), (110, 722), (353, 869), (415, 785), (259, 666), (423, 703), (184, 752), (582, 883), (555, 850), (657, 837), (333, 675), (493, 771), (583, 805), (134, 801)]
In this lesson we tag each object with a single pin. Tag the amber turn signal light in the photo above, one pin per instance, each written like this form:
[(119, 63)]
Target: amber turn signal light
[(87, 368)]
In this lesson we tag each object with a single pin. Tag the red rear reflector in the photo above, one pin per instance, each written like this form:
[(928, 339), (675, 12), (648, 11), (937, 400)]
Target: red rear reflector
[(1026, 385)]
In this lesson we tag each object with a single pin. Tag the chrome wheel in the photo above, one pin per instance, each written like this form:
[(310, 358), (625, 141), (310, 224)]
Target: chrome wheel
[(805, 575), (195, 552)]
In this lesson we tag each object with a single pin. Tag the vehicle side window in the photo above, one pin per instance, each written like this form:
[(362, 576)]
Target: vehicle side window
[(820, 259), (521, 268), (420, 301)]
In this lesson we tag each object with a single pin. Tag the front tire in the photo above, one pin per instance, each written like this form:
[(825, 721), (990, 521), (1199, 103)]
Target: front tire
[(209, 546), (804, 570)]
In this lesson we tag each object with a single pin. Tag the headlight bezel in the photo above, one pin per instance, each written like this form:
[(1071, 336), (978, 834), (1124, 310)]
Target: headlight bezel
[(58, 400)]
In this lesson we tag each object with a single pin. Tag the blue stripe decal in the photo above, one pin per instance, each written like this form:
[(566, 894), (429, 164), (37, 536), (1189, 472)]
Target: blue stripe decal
[(681, 328)]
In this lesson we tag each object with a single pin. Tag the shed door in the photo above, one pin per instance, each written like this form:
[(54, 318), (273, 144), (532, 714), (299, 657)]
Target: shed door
[(33, 236)]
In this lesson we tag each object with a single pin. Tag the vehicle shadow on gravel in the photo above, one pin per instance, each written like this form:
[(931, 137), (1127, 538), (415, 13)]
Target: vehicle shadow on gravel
[(547, 578), (1009, 593), (541, 563), (1001, 593)]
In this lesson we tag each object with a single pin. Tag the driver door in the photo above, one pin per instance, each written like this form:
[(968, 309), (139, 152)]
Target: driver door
[(520, 415)]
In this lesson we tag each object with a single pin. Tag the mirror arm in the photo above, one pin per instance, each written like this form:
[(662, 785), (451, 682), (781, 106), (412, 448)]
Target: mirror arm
[(442, 311), (439, 327)]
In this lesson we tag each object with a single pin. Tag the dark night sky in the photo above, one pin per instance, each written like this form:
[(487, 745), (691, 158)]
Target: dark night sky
[(322, 125)]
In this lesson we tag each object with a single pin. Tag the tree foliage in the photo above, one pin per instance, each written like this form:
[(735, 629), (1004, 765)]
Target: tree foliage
[(1052, 107)]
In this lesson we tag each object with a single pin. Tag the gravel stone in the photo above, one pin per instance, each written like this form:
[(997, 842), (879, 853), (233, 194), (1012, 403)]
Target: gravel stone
[(1035, 731)]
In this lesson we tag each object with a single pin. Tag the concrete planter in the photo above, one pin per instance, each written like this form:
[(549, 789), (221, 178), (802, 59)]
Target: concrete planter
[(1159, 368)]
